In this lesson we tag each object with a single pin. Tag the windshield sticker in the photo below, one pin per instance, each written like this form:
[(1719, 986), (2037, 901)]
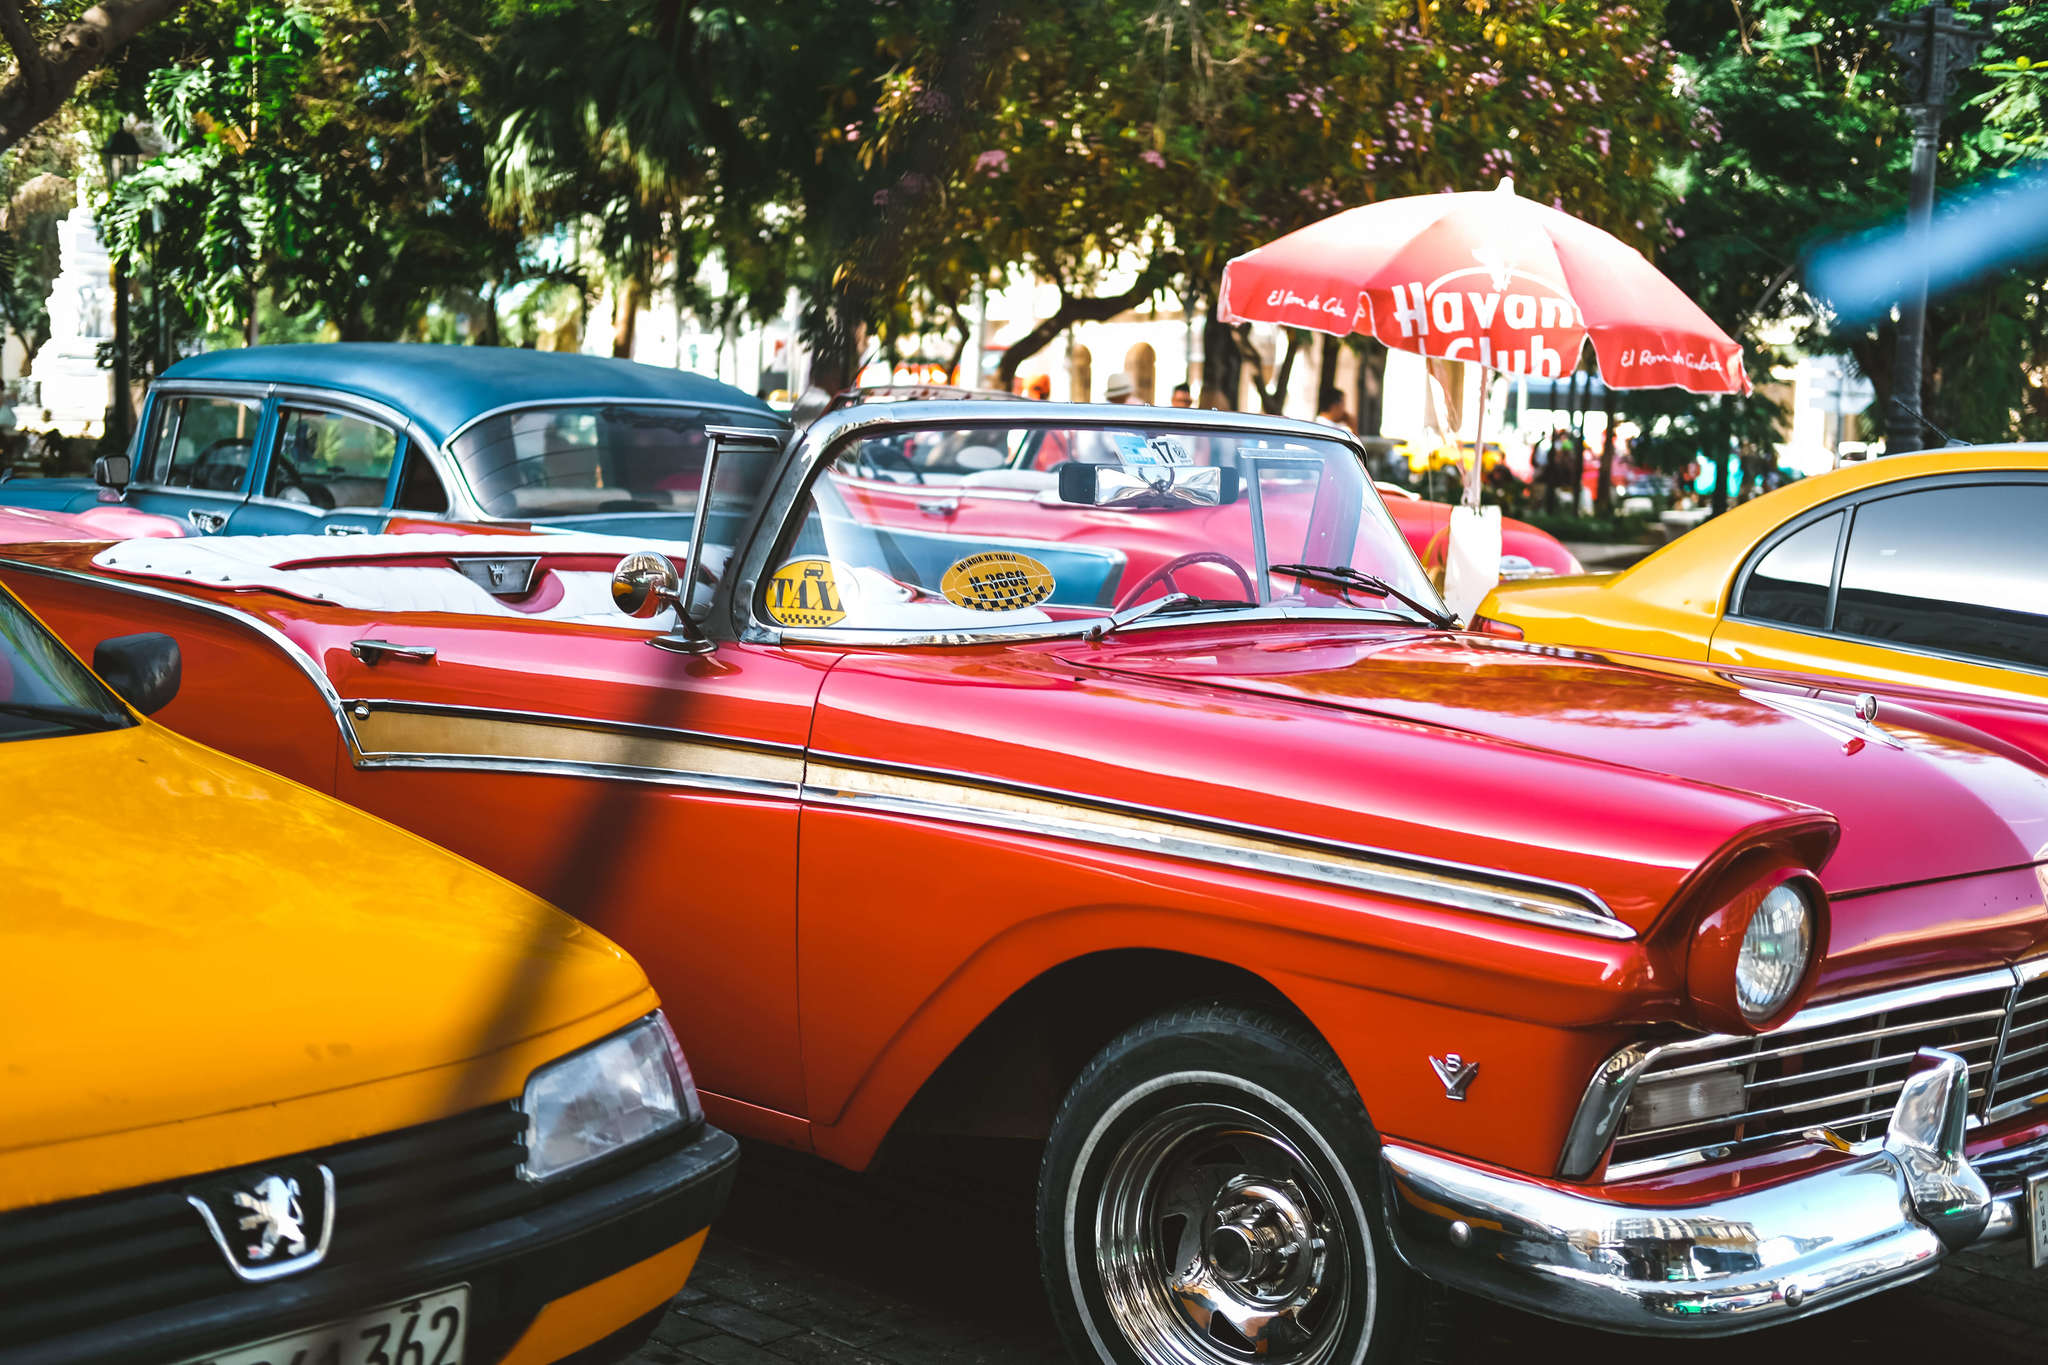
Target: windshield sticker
[(805, 592), (1155, 450), (996, 580)]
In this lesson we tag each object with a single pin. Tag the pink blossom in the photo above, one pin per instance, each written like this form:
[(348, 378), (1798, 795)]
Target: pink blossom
[(993, 161), (1151, 157)]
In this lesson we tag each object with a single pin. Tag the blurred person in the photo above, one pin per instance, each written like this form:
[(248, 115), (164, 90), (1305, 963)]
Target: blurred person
[(1183, 396), (1331, 412), (1117, 389), (1039, 388)]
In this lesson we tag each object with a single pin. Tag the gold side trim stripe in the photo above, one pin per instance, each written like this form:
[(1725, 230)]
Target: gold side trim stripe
[(399, 738), (915, 796)]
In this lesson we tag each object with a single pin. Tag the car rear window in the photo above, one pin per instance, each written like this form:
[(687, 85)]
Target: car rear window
[(1791, 582), (1954, 569)]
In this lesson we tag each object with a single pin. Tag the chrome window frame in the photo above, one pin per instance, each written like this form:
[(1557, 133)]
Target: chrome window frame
[(343, 405), (163, 392), (450, 464), (1848, 504), (819, 442)]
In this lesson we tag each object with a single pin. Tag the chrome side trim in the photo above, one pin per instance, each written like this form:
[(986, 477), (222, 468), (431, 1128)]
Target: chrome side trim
[(928, 794), (284, 642), (562, 718), (402, 735)]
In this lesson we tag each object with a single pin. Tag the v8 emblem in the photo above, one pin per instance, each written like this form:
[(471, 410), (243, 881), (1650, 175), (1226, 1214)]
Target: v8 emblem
[(1456, 1073)]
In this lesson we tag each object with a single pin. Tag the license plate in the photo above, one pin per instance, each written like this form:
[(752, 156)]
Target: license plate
[(422, 1331), (2037, 1217)]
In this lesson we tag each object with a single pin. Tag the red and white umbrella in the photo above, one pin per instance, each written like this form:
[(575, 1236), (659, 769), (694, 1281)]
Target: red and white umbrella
[(1490, 278)]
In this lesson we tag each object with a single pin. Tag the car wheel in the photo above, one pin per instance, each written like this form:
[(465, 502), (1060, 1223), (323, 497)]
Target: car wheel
[(1210, 1195)]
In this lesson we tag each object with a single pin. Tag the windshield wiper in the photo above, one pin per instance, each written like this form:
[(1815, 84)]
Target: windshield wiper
[(1173, 601), (1379, 587), (84, 718)]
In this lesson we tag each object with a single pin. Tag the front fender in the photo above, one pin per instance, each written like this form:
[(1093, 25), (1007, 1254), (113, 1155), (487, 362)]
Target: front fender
[(950, 923)]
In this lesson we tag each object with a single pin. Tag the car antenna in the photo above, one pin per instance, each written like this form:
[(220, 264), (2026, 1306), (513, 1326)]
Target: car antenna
[(1921, 418)]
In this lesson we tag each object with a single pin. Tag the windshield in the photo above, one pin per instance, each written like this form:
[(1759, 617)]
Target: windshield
[(43, 690), (977, 527), (535, 463)]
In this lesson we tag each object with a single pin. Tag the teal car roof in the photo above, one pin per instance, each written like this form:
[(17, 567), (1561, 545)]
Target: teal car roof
[(443, 387)]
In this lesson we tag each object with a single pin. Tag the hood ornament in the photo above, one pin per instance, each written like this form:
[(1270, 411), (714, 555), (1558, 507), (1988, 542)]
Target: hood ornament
[(1456, 1073)]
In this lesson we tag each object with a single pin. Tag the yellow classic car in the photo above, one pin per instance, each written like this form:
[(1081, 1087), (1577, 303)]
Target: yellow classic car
[(1927, 569), (284, 1083)]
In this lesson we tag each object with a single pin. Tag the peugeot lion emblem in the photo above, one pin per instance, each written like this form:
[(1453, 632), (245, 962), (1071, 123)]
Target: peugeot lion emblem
[(1456, 1073), (269, 1221)]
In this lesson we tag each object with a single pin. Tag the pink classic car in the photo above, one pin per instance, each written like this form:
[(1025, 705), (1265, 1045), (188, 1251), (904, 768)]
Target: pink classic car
[(27, 525)]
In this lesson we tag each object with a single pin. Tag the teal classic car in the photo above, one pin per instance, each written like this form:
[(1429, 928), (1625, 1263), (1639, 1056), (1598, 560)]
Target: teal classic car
[(351, 437)]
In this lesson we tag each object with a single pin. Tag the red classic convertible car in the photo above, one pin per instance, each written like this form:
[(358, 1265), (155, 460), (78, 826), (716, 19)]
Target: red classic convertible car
[(1326, 946)]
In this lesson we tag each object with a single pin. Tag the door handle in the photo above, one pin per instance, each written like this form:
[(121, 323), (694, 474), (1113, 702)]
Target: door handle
[(371, 651), (939, 507), (208, 522), (342, 528)]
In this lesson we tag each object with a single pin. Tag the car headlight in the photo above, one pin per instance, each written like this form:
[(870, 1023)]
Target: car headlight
[(621, 1090), (1776, 948)]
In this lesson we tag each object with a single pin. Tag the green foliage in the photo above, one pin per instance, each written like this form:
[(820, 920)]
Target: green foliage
[(1807, 139), (319, 156)]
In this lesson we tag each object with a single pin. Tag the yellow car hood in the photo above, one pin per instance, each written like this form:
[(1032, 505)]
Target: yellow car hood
[(185, 935)]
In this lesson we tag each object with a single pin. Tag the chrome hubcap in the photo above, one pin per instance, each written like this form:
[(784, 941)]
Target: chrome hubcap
[(1216, 1241)]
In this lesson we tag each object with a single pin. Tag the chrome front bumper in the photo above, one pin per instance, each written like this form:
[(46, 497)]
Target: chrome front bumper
[(1732, 1264)]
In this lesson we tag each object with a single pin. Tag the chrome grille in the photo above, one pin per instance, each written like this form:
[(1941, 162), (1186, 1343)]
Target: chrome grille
[(2022, 1074), (1840, 1067)]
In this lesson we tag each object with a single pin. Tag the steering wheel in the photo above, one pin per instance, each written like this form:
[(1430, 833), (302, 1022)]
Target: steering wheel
[(1164, 575), (871, 456), (290, 480), (212, 469)]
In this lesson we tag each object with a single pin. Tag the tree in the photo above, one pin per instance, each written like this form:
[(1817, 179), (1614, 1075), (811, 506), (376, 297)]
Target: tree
[(52, 57), (1806, 139), (322, 159), (755, 126), (1169, 138)]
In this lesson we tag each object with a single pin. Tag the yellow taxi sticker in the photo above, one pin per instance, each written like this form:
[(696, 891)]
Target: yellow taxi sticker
[(996, 580), (805, 592)]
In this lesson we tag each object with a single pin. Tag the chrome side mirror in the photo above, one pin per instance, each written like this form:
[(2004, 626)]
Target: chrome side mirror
[(646, 584), (111, 471)]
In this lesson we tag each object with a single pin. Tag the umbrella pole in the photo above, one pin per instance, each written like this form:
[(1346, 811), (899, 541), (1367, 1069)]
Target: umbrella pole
[(1479, 440)]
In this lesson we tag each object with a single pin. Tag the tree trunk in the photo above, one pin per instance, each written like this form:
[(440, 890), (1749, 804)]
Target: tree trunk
[(1082, 309), (1372, 384), (1271, 399), (626, 315), (1222, 363), (1603, 498), (44, 78)]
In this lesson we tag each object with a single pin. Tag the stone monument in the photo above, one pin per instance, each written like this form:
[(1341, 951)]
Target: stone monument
[(74, 389)]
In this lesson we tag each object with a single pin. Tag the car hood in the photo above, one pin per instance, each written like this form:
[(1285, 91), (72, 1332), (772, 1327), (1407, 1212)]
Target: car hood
[(1918, 798), (187, 935)]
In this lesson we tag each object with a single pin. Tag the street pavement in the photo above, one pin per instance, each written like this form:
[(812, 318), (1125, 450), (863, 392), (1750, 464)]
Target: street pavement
[(929, 1262)]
